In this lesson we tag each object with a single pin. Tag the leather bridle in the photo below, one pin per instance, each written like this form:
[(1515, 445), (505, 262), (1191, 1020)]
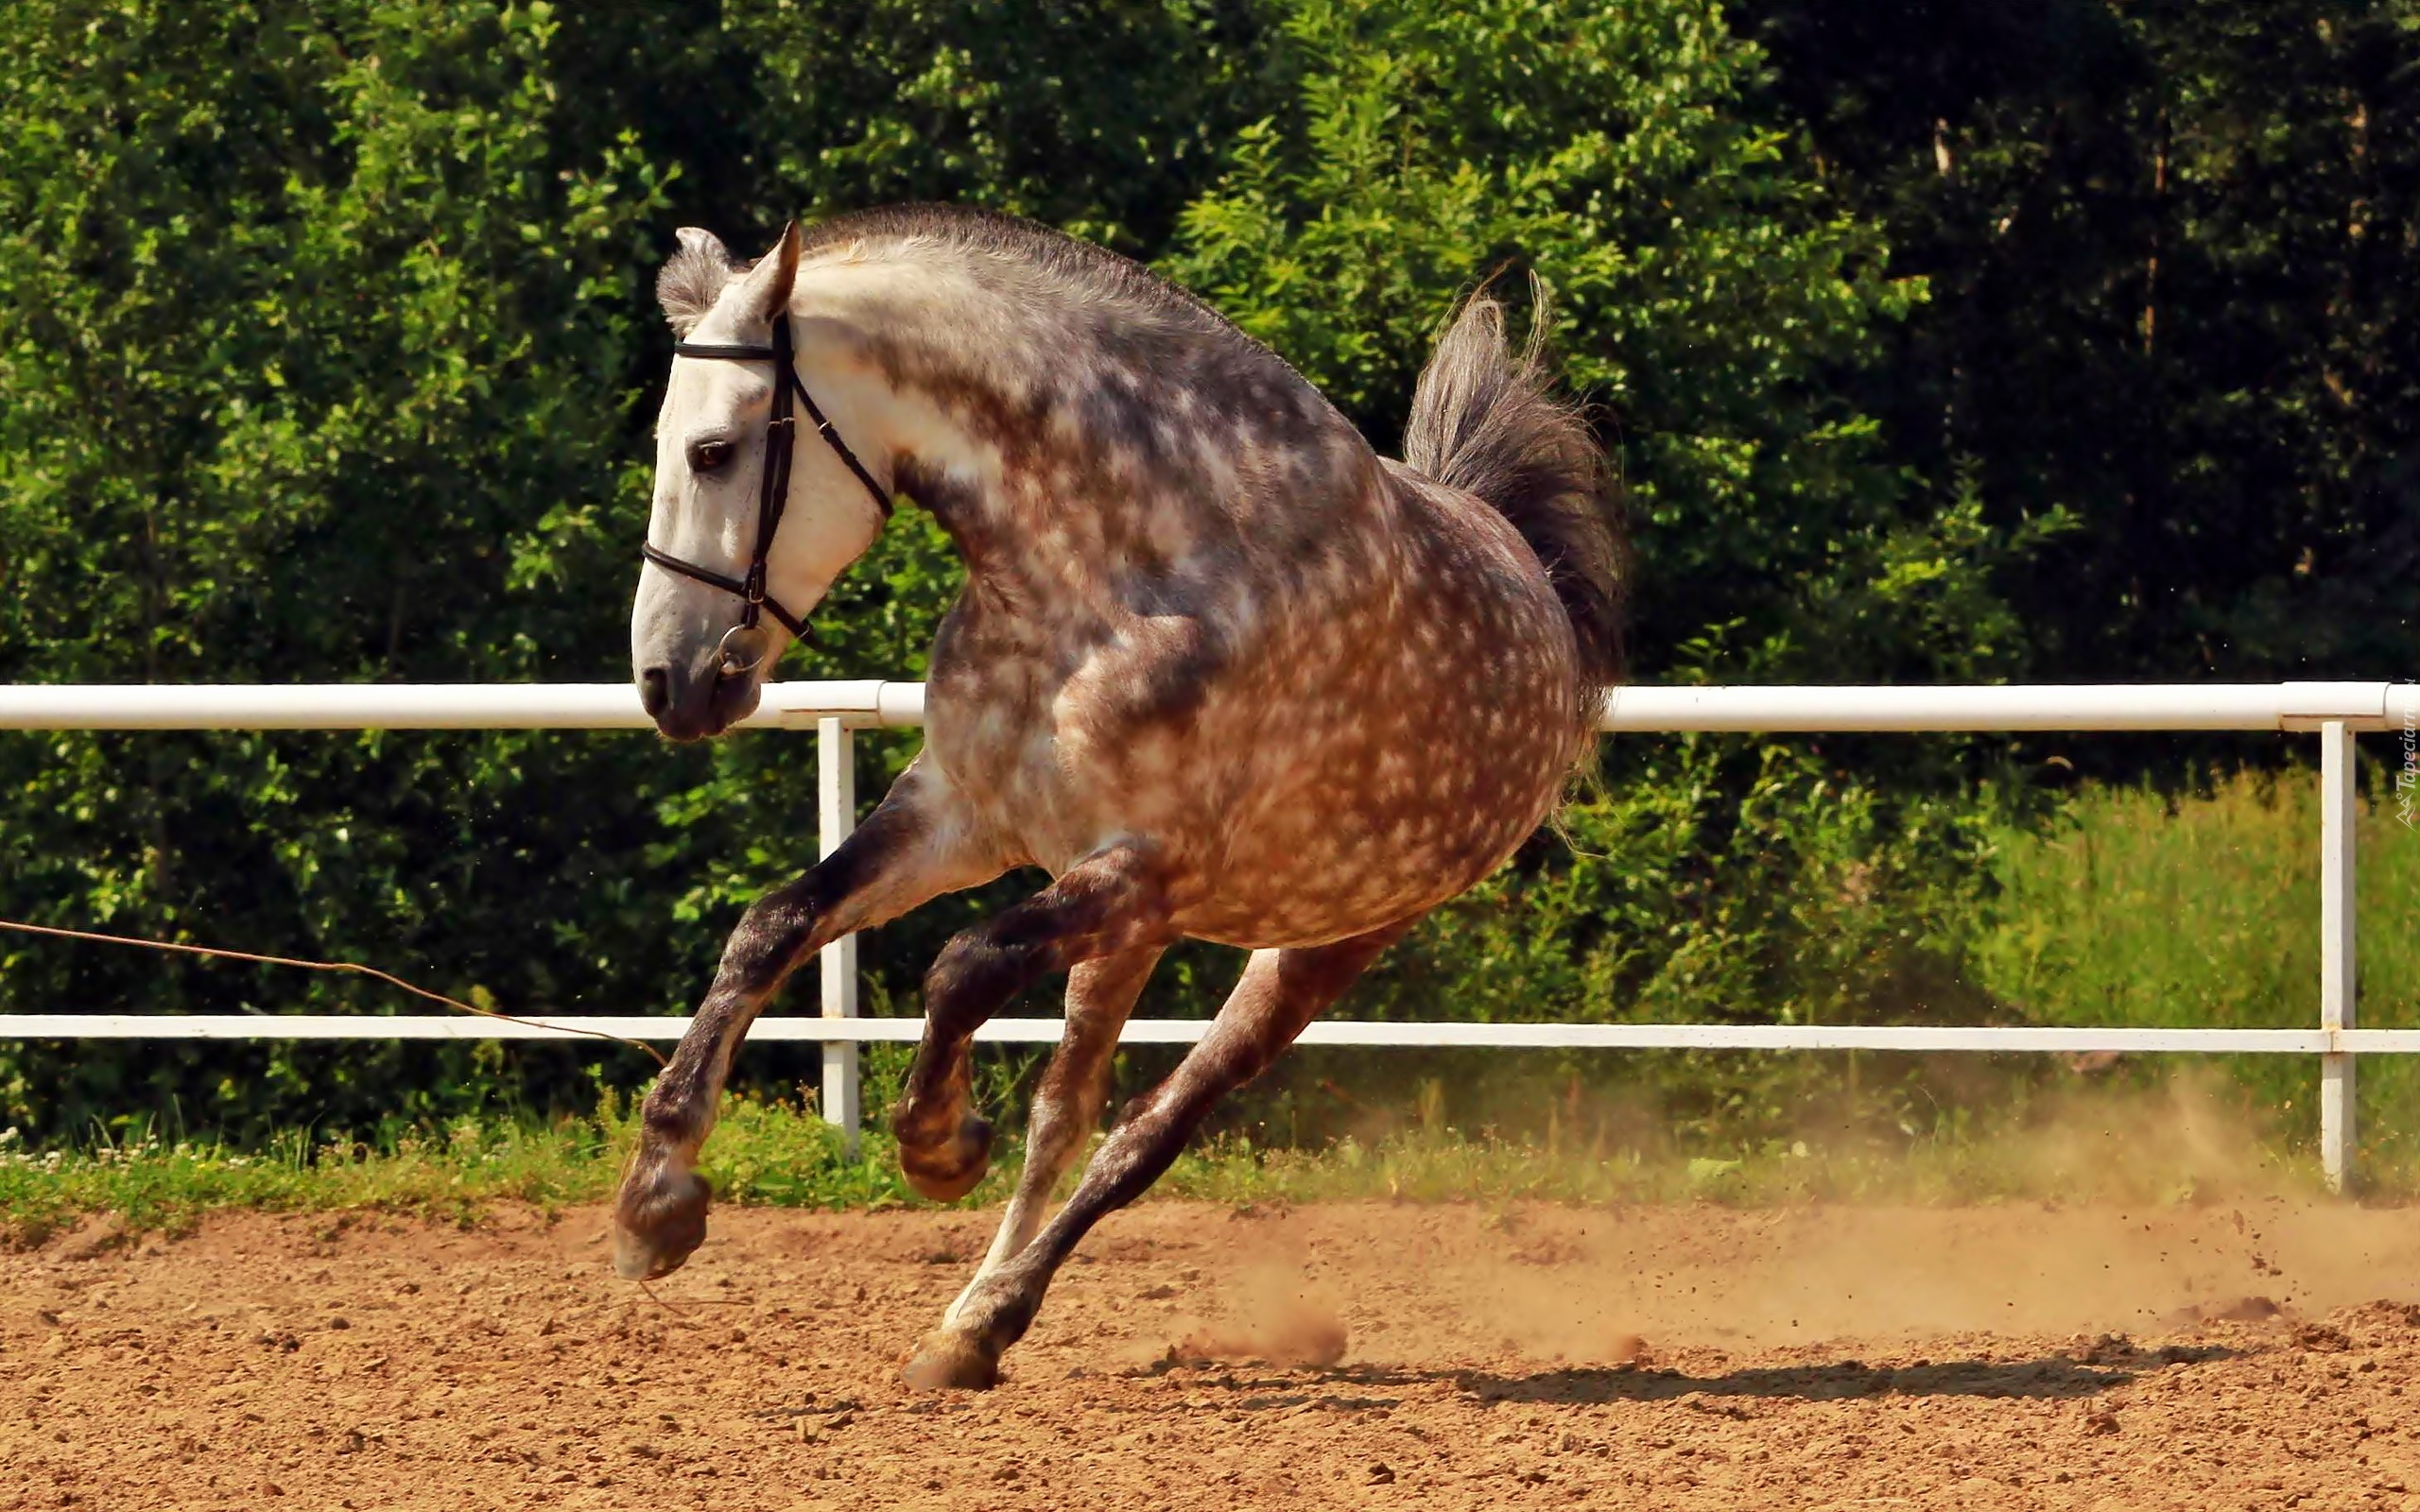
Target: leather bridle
[(744, 645)]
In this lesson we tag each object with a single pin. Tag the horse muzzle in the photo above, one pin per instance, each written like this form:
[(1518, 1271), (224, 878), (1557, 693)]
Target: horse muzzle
[(702, 699)]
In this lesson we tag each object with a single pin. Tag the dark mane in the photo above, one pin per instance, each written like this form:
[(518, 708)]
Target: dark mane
[(1096, 270)]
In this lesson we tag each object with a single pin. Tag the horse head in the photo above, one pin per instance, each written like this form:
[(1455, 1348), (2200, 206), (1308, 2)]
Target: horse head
[(751, 522)]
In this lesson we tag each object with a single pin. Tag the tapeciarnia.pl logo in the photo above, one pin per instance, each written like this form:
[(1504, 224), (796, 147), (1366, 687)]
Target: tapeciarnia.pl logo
[(2407, 782)]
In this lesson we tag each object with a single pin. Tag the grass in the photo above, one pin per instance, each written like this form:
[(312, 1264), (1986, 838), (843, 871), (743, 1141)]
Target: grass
[(2143, 910), (762, 1153)]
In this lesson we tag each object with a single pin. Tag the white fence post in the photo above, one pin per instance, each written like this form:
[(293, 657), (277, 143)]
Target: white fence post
[(2337, 800), (836, 762)]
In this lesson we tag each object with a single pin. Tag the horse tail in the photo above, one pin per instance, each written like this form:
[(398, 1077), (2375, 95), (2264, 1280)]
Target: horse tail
[(1486, 419)]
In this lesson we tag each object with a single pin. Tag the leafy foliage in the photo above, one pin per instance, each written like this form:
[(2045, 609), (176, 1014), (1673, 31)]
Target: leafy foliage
[(1704, 283), (314, 337), (2170, 250), (328, 357), (325, 332)]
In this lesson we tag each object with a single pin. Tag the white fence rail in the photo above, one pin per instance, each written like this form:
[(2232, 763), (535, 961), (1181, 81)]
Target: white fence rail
[(2336, 712)]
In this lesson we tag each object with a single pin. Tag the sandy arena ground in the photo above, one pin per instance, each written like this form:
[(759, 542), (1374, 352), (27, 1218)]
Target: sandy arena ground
[(2220, 1356)]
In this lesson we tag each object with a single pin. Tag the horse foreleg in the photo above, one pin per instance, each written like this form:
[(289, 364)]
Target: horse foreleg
[(1281, 991), (1066, 1104), (910, 848), (1106, 904)]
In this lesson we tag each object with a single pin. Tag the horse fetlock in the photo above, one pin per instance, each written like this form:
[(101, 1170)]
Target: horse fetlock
[(659, 1219), (953, 1360), (944, 1165)]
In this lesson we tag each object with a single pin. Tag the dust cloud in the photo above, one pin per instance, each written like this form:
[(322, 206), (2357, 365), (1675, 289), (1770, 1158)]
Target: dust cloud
[(2166, 1213)]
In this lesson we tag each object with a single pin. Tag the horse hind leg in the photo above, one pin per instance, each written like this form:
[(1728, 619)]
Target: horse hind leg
[(1281, 991), (1067, 1104), (1109, 904)]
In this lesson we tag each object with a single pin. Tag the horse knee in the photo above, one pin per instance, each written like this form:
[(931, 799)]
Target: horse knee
[(970, 975), (944, 1165)]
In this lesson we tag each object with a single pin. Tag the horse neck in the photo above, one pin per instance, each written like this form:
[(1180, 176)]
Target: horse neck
[(1078, 453), (999, 428)]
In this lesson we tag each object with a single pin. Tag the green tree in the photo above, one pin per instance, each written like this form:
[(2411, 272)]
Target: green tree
[(329, 352), (309, 329), (1709, 289), (2170, 248)]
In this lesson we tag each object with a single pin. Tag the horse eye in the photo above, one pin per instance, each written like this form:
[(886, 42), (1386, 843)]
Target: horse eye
[(705, 456)]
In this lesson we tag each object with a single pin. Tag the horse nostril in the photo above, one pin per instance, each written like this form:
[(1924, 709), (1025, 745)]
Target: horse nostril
[(655, 691)]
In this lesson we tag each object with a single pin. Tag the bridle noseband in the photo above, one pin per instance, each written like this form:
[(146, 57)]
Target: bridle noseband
[(745, 644)]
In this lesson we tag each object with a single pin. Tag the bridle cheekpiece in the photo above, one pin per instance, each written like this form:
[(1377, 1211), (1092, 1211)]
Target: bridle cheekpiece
[(745, 645)]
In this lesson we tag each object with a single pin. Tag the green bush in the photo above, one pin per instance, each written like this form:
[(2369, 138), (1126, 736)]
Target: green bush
[(2199, 908), (328, 354)]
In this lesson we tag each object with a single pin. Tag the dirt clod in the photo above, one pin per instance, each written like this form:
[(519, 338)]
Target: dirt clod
[(95, 1237), (2243, 1310), (1292, 1337), (2323, 1337)]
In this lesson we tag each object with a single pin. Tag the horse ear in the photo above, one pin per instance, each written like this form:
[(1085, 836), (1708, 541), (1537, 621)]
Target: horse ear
[(770, 281), (694, 278)]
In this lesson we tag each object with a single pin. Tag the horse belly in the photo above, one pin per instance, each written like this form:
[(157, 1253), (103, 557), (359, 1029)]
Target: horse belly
[(1346, 819)]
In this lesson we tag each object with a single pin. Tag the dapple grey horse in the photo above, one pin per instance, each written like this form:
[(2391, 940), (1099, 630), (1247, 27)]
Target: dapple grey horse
[(1218, 669)]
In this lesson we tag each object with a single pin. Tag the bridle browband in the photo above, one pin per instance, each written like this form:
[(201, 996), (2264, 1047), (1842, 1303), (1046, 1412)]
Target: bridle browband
[(744, 645)]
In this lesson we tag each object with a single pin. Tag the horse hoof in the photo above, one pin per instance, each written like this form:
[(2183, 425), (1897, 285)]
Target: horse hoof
[(950, 1169), (658, 1223), (948, 1362)]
